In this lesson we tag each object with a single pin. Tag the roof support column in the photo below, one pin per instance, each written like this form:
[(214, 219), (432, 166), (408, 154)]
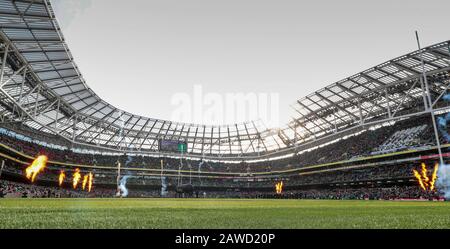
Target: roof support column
[(36, 101), (361, 119), (57, 113), (430, 108), (388, 103), (2, 70)]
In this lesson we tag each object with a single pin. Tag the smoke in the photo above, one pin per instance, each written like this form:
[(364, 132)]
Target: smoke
[(123, 191), (443, 181), (123, 186), (164, 186), (129, 159), (443, 121), (442, 126), (200, 170), (446, 97)]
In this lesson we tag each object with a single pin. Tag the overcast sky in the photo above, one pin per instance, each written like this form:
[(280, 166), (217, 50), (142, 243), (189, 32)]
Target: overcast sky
[(136, 54)]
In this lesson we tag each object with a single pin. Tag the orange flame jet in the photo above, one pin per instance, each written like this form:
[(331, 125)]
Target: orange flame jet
[(62, 176), (36, 167), (85, 180), (279, 187), (91, 180), (424, 180), (419, 178), (76, 178), (434, 177)]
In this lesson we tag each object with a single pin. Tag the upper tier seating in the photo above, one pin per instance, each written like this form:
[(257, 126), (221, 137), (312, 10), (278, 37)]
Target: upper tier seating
[(403, 139)]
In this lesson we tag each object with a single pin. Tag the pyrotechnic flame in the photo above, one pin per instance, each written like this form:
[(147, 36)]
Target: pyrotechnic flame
[(62, 176), (279, 187), (91, 180), (425, 182), (425, 175), (76, 178), (434, 177), (85, 180), (419, 178), (36, 167)]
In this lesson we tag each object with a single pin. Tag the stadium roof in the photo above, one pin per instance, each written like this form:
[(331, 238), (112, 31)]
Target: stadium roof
[(381, 91), (42, 87)]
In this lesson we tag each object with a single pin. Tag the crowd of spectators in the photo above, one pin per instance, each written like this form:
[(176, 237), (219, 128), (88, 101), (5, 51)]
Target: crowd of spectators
[(359, 145), (14, 189), (345, 149), (10, 189), (377, 193), (392, 171)]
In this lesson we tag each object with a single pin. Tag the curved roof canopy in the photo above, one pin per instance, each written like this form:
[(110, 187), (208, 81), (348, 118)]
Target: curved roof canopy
[(42, 87)]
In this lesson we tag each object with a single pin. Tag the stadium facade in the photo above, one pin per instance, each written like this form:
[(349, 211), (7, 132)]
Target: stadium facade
[(383, 116)]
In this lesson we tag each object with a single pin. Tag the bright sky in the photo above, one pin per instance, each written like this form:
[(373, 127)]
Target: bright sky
[(138, 54)]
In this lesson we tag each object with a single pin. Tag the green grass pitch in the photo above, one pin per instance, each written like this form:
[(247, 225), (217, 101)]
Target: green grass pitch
[(220, 213)]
